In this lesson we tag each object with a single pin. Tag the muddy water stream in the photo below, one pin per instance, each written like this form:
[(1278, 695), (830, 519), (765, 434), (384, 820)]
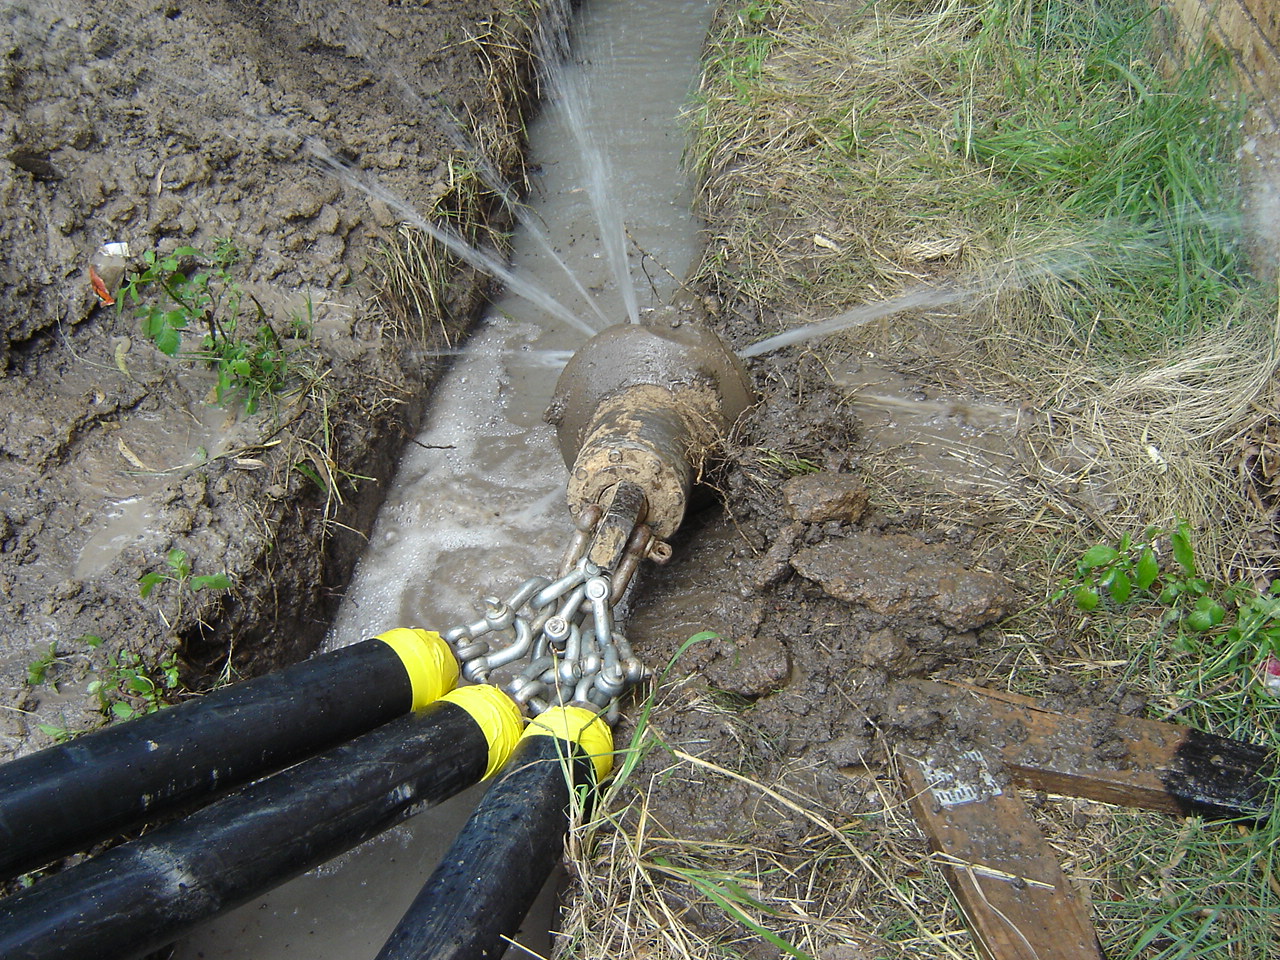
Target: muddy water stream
[(477, 504)]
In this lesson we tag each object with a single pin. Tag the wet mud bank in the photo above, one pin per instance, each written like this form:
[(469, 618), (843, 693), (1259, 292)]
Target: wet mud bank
[(821, 594), (820, 603), (168, 126)]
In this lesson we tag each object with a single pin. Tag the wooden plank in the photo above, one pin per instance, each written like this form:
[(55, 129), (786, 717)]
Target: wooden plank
[(1106, 756), (1247, 29), (1017, 901)]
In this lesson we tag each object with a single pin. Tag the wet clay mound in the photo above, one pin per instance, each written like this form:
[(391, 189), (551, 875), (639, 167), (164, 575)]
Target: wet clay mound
[(188, 123), (822, 602), (891, 574), (163, 126)]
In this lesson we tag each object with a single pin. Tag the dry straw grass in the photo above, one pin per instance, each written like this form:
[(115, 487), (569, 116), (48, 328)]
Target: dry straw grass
[(642, 891), (830, 149), (1166, 433), (415, 273), (833, 145)]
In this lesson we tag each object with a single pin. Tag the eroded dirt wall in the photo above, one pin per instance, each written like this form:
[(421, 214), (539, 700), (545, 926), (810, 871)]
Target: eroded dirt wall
[(163, 125)]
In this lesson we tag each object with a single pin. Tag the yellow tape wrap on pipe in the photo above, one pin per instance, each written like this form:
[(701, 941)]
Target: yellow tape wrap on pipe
[(581, 726), (431, 665), (497, 716)]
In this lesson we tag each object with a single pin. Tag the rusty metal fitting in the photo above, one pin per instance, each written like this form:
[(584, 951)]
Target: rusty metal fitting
[(646, 404)]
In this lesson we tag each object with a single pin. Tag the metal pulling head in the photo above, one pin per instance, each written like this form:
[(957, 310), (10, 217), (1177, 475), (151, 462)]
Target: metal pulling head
[(565, 628), (646, 404), (638, 411)]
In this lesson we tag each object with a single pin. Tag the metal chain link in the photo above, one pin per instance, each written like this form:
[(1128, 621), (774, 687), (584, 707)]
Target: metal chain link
[(564, 628)]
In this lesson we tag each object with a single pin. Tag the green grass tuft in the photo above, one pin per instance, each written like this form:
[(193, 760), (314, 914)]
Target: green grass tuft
[(1053, 142), (1076, 114)]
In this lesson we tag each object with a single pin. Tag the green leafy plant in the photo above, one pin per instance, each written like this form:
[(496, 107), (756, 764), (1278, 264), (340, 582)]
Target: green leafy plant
[(178, 572), (59, 733), (128, 687), (39, 671), (1228, 623), (250, 359), (1115, 571), (132, 688)]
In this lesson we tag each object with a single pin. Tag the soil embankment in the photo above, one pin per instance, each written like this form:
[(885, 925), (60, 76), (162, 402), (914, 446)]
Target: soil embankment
[(167, 126), (121, 486)]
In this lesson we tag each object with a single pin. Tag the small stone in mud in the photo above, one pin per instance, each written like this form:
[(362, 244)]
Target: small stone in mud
[(824, 496), (1062, 683), (180, 520), (775, 565), (35, 162), (193, 490), (855, 750), (1132, 703), (68, 589), (296, 202), (886, 649)]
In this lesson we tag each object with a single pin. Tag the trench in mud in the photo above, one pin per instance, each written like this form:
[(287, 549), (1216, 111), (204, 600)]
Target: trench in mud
[(478, 505)]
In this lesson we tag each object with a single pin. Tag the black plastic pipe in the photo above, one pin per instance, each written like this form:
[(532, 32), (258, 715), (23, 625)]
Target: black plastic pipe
[(63, 798), (143, 894), (488, 880)]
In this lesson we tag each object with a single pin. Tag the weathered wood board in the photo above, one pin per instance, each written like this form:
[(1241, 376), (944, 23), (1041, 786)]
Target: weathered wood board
[(1018, 903), (1248, 29), (1101, 755)]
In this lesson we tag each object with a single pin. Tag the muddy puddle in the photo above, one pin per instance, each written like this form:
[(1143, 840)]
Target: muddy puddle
[(477, 504), (962, 444), (121, 456), (154, 448)]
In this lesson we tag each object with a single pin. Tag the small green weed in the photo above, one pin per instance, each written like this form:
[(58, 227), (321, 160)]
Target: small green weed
[(133, 688), (251, 361), (38, 669), (59, 733), (178, 572), (1116, 571), (130, 687), (739, 60), (1227, 627), (786, 464)]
